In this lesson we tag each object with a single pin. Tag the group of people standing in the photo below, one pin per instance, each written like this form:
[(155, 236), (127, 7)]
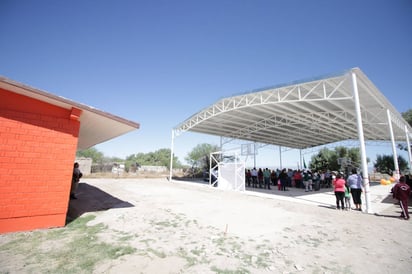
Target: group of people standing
[(286, 178), (352, 186), (345, 189), (261, 178), (264, 178)]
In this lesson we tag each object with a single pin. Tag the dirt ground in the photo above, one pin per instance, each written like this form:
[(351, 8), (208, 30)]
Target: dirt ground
[(186, 227)]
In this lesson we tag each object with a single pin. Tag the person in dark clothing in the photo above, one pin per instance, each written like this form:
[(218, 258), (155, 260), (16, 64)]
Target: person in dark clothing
[(77, 174), (408, 180), (273, 177), (401, 192), (248, 177), (260, 178), (283, 177)]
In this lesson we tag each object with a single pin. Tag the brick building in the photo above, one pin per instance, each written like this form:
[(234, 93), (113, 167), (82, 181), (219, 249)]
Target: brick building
[(39, 136)]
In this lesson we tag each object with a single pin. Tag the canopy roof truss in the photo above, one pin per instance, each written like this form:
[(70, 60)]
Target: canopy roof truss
[(305, 115), (302, 115)]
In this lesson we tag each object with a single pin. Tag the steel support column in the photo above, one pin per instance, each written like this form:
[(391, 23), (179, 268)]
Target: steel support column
[(408, 143), (280, 157), (395, 155), (364, 163)]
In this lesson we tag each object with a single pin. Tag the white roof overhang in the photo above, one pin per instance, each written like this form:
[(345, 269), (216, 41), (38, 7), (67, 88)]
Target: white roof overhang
[(302, 115), (96, 126)]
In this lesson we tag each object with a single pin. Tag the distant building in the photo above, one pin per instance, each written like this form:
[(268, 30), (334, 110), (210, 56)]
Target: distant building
[(85, 165), (154, 169), (118, 168)]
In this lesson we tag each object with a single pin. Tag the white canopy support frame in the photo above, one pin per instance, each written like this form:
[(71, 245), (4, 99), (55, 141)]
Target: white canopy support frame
[(365, 175), (214, 168), (395, 155), (226, 175), (305, 114)]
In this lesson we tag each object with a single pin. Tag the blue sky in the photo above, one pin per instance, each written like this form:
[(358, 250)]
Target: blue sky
[(159, 62)]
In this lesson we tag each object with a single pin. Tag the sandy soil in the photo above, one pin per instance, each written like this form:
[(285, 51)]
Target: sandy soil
[(192, 228), (185, 227)]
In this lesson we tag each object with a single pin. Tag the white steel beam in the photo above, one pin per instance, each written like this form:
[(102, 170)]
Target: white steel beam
[(365, 174), (395, 155)]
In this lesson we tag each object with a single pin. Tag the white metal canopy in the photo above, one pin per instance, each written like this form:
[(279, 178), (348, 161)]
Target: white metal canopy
[(305, 114), (301, 115)]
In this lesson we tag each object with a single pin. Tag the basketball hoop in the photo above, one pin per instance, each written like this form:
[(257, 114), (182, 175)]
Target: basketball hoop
[(248, 149)]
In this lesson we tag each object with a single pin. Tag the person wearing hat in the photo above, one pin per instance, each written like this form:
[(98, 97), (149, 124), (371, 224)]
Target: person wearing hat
[(401, 192)]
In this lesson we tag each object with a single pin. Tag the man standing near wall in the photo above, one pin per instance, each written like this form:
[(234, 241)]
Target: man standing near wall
[(75, 180)]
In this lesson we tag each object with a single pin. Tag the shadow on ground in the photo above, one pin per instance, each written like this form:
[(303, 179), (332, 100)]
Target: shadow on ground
[(92, 199), (394, 211), (190, 179), (389, 200)]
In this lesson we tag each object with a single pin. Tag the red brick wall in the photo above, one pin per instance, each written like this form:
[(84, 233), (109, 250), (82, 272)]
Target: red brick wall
[(38, 143)]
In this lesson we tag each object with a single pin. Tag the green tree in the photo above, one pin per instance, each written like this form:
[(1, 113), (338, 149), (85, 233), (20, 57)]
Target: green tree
[(322, 160), (160, 157), (200, 155), (101, 163), (407, 115), (385, 164), (93, 153), (328, 159)]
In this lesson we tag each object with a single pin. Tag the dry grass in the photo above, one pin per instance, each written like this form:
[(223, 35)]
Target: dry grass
[(76, 248)]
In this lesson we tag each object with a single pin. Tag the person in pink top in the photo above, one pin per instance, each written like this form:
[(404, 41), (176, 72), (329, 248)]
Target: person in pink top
[(339, 187)]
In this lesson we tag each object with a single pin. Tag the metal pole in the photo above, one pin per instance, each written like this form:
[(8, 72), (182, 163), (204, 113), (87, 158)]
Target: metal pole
[(254, 154), (408, 143), (171, 156), (280, 157), (210, 169), (395, 155), (364, 162)]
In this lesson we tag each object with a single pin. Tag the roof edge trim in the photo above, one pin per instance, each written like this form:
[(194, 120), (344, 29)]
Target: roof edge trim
[(70, 102)]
